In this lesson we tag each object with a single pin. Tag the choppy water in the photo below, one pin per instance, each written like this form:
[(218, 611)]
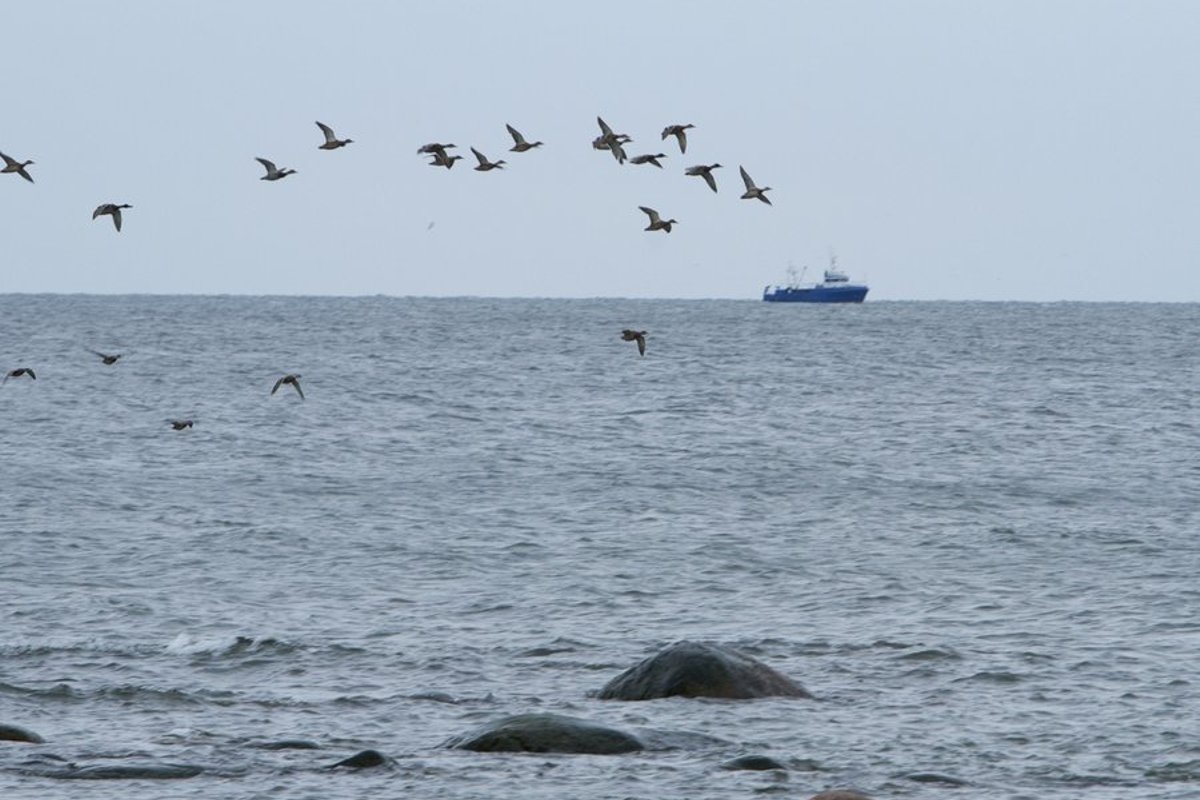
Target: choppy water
[(969, 529)]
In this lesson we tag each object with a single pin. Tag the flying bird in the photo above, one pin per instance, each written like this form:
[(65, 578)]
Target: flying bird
[(18, 372), (752, 191), (680, 134), (628, 335), (113, 210), (434, 149), (704, 172), (105, 358), (331, 141), (520, 145), (273, 173), (12, 165), (657, 223), (607, 140), (290, 380), (440, 159), (648, 159), (484, 164), (179, 424)]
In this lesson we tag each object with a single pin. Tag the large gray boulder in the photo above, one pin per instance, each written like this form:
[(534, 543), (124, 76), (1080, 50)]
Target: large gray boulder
[(698, 669), (546, 733)]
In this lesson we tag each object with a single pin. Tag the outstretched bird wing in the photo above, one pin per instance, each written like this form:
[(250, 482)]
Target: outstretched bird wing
[(269, 165), (516, 134), (325, 129), (746, 179), (652, 214)]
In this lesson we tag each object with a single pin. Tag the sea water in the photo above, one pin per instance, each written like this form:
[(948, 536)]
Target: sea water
[(969, 529)]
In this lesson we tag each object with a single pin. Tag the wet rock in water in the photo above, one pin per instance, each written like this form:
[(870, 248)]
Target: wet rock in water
[(11, 733), (697, 669), (839, 794), (546, 733), (289, 744), (936, 777), (131, 772), (362, 760), (753, 763)]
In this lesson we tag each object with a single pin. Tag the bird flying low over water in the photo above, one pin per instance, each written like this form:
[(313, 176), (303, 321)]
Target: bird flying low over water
[(648, 159), (331, 141), (629, 335), (607, 140), (290, 380), (657, 223), (12, 165), (105, 358), (18, 372), (273, 173), (520, 145), (753, 192), (680, 134), (113, 210), (704, 172), (484, 164), (179, 424)]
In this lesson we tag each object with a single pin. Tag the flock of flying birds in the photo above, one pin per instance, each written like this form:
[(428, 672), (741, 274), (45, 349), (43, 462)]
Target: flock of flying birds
[(440, 157)]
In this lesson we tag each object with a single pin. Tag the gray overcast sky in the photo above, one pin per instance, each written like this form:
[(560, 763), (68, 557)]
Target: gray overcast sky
[(1016, 150)]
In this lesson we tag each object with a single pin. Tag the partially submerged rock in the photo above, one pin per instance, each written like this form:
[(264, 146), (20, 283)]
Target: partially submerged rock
[(11, 733), (362, 760), (546, 733), (752, 763), (697, 669)]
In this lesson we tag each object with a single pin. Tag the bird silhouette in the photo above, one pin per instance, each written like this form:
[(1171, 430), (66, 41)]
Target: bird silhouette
[(704, 172), (519, 143), (290, 380), (273, 173), (629, 335), (657, 223), (12, 165), (753, 192), (331, 141), (113, 210), (679, 132)]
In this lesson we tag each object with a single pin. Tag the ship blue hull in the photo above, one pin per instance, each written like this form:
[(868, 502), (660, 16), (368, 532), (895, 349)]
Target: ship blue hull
[(816, 294)]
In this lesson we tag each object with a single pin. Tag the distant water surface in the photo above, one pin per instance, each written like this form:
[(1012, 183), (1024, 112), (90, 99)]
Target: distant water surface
[(969, 529)]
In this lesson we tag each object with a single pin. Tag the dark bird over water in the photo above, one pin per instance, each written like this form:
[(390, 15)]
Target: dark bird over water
[(331, 141), (18, 372), (484, 164), (113, 210), (648, 159), (753, 192), (179, 424), (520, 145), (704, 172), (107, 359), (629, 335), (12, 165), (273, 174), (290, 380), (679, 132), (657, 223)]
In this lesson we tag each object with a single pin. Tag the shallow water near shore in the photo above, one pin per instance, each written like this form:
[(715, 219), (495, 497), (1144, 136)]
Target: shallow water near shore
[(967, 528)]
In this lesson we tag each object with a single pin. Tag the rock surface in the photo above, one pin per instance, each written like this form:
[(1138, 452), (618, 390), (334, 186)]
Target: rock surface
[(753, 763), (698, 669), (11, 733), (546, 733)]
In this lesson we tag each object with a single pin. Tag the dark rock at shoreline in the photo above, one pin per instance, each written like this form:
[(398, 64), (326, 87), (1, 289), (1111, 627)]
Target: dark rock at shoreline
[(839, 794), (698, 669), (362, 760), (753, 763), (11, 733), (129, 772), (546, 733)]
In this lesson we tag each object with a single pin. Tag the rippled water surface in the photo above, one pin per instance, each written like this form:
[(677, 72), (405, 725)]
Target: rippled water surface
[(969, 529)]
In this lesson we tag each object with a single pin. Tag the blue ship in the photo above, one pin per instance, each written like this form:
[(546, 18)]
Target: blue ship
[(836, 288)]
